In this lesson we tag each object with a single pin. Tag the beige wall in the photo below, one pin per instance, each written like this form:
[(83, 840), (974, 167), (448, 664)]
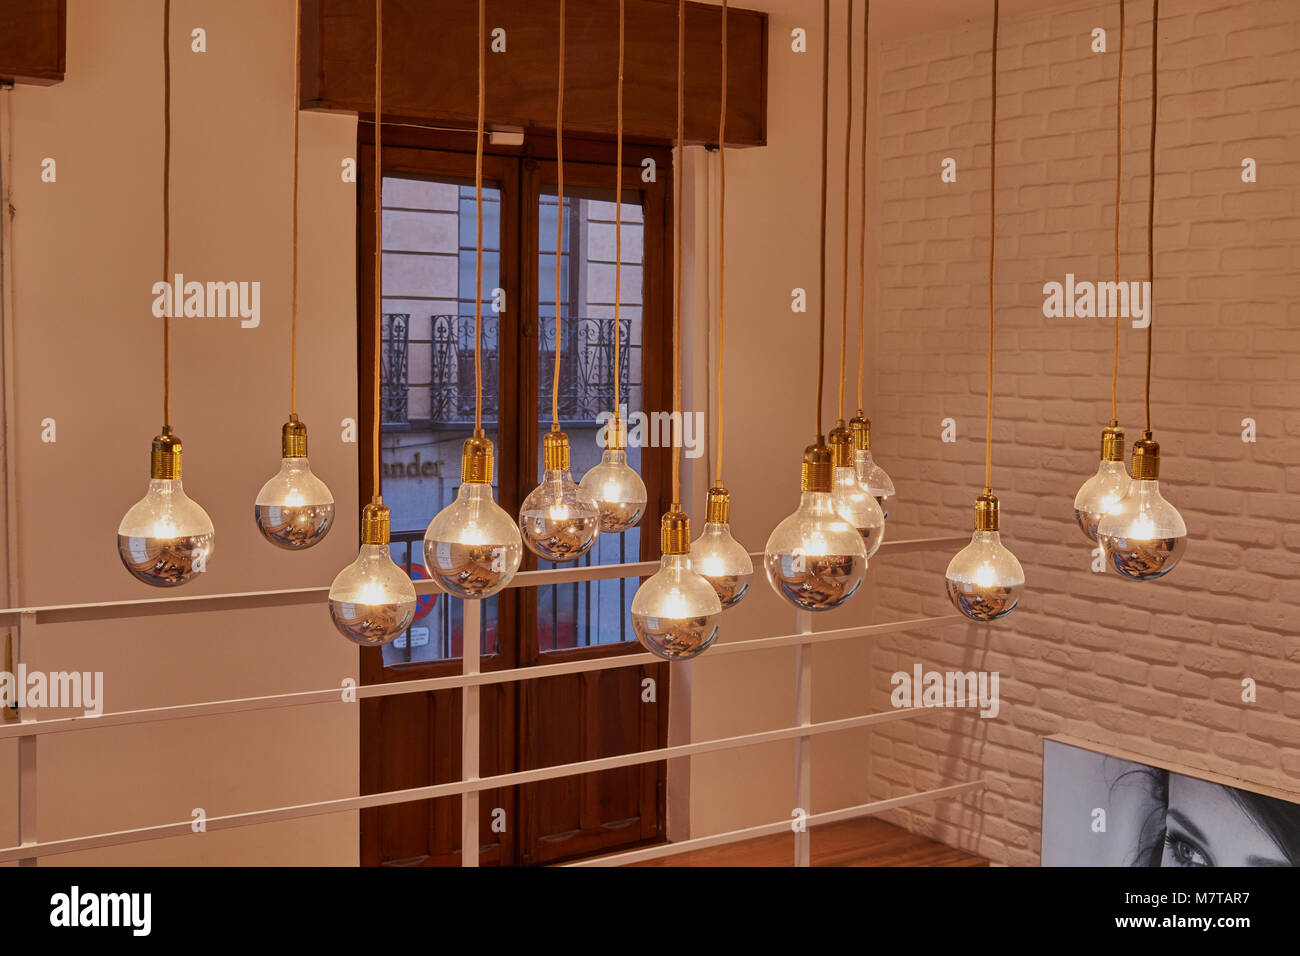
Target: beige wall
[(87, 249)]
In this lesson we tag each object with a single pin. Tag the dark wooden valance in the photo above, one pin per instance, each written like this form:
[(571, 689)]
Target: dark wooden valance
[(33, 41), (430, 66)]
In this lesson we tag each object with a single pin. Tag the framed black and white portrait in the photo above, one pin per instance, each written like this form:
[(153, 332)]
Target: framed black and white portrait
[(1119, 809)]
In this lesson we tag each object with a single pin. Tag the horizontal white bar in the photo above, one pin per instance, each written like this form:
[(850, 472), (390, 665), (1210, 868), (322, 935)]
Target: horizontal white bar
[(342, 804), (60, 725), (781, 826), (110, 610)]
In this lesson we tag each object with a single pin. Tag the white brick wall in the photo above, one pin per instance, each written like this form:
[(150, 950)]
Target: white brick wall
[(1153, 668)]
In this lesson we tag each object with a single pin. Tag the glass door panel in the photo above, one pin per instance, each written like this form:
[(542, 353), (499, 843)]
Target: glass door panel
[(589, 613), (428, 379)]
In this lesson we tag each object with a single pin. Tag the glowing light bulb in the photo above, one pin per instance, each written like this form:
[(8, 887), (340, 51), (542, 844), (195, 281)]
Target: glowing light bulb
[(472, 548), (718, 557), (814, 558), (165, 539), (294, 510), (618, 490), (870, 475), (1101, 493), (984, 579), (559, 521), (675, 612), (373, 592), (854, 504), (372, 600), (1144, 536)]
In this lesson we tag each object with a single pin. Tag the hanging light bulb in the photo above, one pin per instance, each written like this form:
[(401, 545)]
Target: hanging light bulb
[(718, 557), (984, 578), (558, 520), (166, 538), (675, 612), (814, 558), (870, 475), (294, 509), (1144, 536), (616, 487), (854, 504), (372, 600), (1101, 493), (618, 490), (472, 548)]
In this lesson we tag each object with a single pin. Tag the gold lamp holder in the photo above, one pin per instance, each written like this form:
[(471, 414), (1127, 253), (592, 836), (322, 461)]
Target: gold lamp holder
[(986, 512), (555, 451), (616, 433), (476, 459), (1146, 459), (293, 439), (375, 521), (1112, 442), (675, 532), (816, 472), (841, 446), (165, 460), (860, 429), (717, 507)]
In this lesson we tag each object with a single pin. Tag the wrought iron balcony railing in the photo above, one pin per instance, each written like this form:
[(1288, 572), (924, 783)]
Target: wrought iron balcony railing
[(586, 368)]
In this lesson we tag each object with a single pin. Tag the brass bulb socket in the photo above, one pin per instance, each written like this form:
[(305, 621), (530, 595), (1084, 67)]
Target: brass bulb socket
[(1146, 459), (616, 434), (675, 533), (293, 439), (860, 429), (476, 460), (717, 507), (841, 446), (817, 470), (986, 512), (165, 459), (555, 451), (1112, 443), (375, 521)]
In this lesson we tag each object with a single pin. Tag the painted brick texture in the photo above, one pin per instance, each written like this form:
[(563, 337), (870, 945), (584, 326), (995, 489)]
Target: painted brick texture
[(1154, 668)]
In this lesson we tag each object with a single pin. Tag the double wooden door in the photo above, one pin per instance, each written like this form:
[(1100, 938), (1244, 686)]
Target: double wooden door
[(411, 740)]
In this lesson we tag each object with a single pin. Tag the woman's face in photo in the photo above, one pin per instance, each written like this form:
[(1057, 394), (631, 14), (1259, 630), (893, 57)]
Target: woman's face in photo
[(1205, 826)]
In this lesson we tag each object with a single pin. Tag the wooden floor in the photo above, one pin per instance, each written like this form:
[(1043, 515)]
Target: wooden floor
[(864, 842)]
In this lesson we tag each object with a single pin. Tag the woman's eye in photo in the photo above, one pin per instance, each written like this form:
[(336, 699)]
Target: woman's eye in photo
[(1184, 852)]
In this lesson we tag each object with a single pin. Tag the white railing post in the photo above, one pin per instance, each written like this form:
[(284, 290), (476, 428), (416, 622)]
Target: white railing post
[(469, 731), (23, 644), (803, 745)]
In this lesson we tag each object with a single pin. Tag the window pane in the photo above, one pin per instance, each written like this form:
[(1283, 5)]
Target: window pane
[(584, 614), (427, 379)]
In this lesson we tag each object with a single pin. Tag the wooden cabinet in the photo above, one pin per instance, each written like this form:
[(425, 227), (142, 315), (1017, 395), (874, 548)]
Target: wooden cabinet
[(431, 71), (33, 41)]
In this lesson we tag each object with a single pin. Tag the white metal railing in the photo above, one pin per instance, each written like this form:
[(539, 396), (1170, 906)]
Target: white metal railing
[(470, 680)]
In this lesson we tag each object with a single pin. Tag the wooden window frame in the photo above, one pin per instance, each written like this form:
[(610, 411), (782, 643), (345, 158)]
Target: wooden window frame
[(517, 439)]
